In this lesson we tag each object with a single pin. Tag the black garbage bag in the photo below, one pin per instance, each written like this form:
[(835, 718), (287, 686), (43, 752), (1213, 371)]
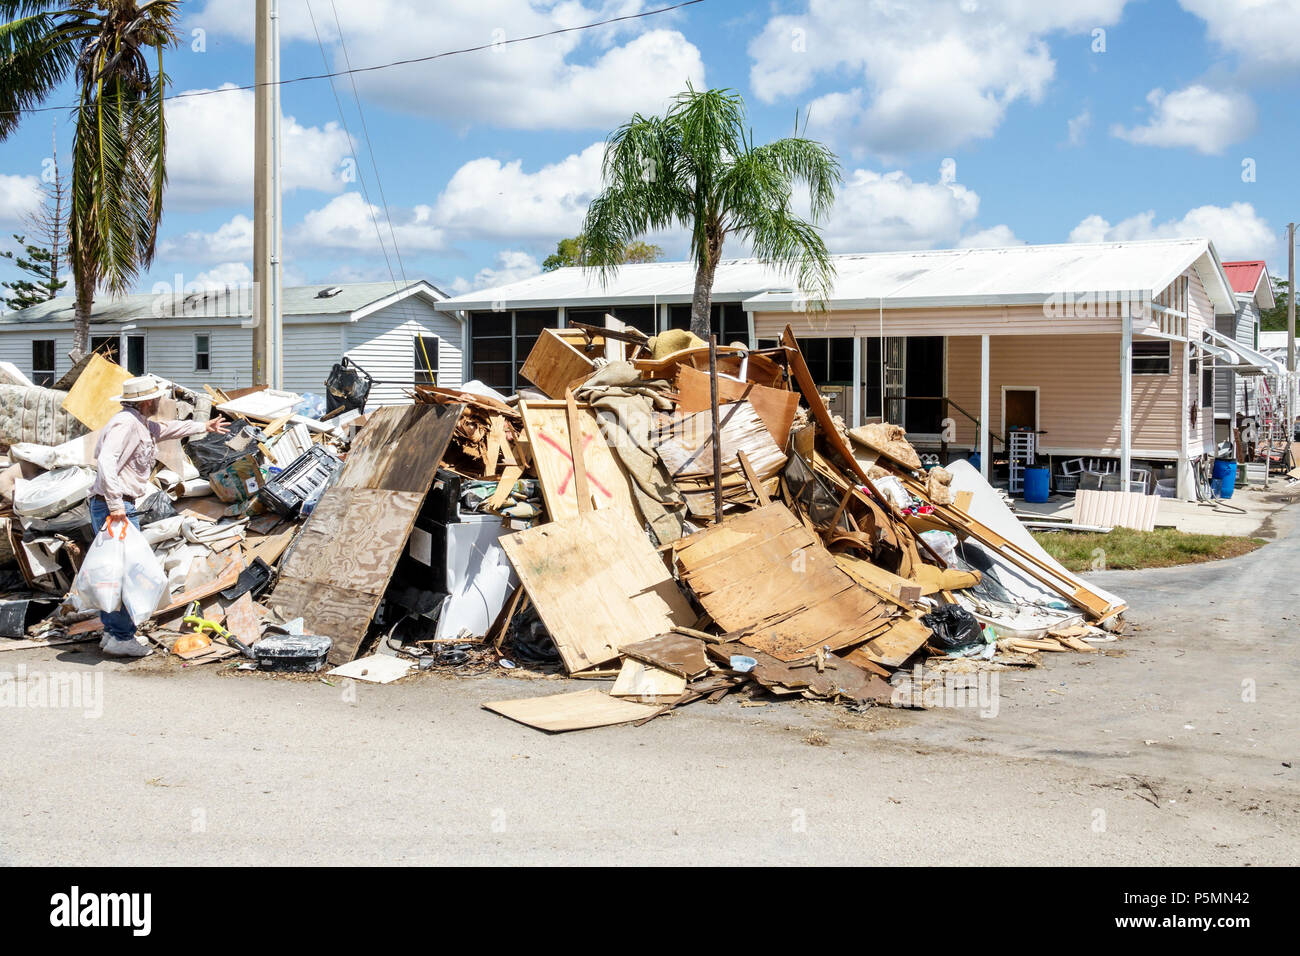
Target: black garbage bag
[(954, 627), (75, 522), (154, 508), (347, 387), (212, 451)]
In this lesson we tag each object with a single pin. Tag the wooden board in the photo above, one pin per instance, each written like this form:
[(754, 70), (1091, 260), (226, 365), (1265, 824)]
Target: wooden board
[(647, 682), (547, 427), (555, 363), (764, 571), (775, 406), (673, 652), (345, 554), (579, 710), (90, 400), (242, 619), (598, 584)]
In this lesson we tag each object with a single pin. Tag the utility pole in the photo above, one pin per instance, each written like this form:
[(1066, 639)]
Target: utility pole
[(267, 348), (1290, 332)]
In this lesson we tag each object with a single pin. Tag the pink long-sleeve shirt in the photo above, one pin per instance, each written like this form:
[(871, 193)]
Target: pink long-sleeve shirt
[(126, 453)]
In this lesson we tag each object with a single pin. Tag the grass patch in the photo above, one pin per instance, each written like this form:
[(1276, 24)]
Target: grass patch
[(1124, 549)]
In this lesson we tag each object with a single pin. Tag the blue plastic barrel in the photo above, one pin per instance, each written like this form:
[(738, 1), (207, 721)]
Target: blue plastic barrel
[(1225, 469), (1037, 485)]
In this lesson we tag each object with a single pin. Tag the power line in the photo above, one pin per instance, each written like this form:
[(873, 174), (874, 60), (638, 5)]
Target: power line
[(361, 179), (393, 63), (370, 146)]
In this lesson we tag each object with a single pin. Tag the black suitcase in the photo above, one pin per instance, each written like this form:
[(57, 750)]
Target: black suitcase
[(292, 653)]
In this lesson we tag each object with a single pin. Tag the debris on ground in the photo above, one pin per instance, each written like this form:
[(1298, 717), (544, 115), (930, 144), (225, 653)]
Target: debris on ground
[(672, 520)]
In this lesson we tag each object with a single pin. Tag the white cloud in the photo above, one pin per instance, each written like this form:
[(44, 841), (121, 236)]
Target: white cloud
[(19, 196), (1077, 126), (1206, 120), (230, 240), (888, 211), (210, 151), (227, 274), (486, 198), (1262, 32), (511, 266), (348, 222), (577, 80), (1238, 232), (995, 237), (929, 73)]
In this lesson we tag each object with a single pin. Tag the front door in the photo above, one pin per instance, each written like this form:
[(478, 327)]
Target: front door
[(1020, 409)]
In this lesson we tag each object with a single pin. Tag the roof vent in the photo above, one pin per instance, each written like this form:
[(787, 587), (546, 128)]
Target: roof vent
[(329, 292)]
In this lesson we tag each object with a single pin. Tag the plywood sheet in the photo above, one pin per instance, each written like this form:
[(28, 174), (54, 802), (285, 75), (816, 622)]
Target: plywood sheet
[(579, 710), (345, 554), (342, 561), (673, 652), (598, 584), (764, 571), (548, 434), (90, 399), (400, 447)]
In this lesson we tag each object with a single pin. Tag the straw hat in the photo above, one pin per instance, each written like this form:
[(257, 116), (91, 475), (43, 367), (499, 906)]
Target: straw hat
[(139, 390)]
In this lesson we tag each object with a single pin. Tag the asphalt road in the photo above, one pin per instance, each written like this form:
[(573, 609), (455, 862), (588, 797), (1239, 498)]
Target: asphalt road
[(1177, 746)]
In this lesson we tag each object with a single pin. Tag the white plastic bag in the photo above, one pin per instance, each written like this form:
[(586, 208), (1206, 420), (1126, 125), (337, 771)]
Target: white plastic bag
[(120, 571), (98, 584), (143, 580)]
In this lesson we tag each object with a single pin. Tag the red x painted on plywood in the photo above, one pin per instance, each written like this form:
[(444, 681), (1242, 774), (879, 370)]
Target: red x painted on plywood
[(564, 485)]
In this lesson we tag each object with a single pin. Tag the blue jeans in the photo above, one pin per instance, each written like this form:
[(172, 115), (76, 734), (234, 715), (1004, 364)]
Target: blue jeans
[(117, 623)]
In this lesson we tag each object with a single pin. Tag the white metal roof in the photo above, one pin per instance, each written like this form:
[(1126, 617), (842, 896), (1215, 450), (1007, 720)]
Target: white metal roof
[(895, 280)]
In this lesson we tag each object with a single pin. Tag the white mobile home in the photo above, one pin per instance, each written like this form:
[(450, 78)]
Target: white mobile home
[(393, 332)]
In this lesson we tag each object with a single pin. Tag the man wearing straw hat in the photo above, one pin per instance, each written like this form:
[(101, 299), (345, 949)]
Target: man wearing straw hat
[(125, 457)]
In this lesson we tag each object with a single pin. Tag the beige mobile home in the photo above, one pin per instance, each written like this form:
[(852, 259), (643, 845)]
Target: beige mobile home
[(1102, 350)]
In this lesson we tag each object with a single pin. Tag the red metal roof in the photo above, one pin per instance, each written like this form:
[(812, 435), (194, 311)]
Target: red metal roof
[(1244, 276)]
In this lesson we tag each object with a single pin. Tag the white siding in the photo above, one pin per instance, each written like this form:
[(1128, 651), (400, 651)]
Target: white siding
[(169, 354), (16, 347), (309, 353), (383, 343)]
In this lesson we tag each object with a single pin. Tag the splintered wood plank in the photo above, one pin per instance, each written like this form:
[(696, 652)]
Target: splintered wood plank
[(775, 406), (686, 444), (578, 710), (90, 400), (763, 570), (547, 427), (598, 584)]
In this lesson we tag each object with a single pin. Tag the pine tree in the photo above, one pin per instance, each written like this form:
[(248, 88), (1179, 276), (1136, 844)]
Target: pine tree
[(42, 258)]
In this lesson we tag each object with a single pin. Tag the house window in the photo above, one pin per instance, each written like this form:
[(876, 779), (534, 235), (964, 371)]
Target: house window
[(426, 359), (501, 341), (107, 346), (727, 321), (202, 352), (829, 360), (1206, 367), (1151, 358), (43, 362), (135, 354)]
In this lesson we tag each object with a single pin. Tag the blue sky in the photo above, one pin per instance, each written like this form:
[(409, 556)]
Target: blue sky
[(958, 122)]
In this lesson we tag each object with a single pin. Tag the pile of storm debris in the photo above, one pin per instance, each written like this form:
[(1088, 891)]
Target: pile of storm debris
[(678, 519)]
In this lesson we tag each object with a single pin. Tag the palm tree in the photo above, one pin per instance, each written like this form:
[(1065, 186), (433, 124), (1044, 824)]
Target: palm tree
[(696, 167), (114, 51)]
